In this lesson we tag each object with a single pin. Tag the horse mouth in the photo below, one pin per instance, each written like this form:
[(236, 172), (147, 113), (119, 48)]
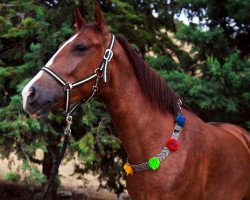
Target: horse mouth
[(42, 111)]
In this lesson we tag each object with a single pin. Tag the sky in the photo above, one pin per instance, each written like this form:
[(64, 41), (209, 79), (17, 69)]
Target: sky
[(185, 20)]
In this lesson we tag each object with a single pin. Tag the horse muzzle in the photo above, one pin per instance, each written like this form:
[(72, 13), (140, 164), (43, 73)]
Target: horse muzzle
[(35, 103)]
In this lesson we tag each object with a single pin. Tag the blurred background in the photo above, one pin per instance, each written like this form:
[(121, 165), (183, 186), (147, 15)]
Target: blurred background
[(201, 48)]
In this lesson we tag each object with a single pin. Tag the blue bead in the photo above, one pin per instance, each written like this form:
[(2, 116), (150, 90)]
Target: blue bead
[(181, 120)]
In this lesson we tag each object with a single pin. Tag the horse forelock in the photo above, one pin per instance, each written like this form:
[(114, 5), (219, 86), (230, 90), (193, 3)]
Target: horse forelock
[(152, 85)]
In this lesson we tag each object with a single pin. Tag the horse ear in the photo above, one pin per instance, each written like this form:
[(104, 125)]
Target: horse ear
[(99, 19), (79, 21)]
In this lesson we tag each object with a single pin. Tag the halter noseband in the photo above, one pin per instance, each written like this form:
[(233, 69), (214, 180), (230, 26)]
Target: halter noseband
[(100, 72)]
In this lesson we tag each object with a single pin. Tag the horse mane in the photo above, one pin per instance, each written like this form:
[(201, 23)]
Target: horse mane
[(152, 85)]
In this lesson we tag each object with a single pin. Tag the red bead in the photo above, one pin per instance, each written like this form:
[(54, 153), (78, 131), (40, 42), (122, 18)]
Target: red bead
[(172, 144)]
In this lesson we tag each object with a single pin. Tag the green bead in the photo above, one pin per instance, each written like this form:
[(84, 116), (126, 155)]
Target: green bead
[(154, 163)]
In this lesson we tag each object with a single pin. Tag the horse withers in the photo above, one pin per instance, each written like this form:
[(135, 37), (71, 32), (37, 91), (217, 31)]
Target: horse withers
[(172, 153)]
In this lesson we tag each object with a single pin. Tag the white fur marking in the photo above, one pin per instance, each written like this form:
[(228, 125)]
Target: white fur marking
[(53, 57), (26, 92)]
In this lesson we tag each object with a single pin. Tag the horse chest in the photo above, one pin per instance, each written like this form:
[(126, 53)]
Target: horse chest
[(156, 186)]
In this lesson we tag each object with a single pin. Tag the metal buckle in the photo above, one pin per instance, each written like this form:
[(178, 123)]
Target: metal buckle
[(108, 55)]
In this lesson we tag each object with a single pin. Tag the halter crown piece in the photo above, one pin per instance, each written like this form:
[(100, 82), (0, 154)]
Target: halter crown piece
[(171, 145), (100, 72)]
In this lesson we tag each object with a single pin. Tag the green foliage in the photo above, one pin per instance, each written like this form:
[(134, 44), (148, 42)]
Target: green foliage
[(99, 150), (27, 40), (231, 16), (162, 62), (219, 89), (212, 78), (11, 176), (33, 176), (205, 42)]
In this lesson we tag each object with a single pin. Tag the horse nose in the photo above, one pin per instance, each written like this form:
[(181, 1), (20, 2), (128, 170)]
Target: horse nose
[(32, 95)]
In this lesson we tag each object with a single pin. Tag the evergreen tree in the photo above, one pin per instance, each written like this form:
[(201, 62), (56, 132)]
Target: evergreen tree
[(219, 86)]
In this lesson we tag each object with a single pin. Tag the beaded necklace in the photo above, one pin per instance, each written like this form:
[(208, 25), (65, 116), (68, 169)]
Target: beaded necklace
[(171, 145)]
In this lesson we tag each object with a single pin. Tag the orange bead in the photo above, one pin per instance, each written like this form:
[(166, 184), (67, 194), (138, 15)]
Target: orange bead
[(128, 169)]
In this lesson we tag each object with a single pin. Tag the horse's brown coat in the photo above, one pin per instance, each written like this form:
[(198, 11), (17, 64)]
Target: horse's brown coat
[(213, 161)]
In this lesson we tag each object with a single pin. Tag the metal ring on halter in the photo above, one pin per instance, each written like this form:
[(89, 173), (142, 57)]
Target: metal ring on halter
[(95, 88), (68, 86), (69, 119), (99, 73)]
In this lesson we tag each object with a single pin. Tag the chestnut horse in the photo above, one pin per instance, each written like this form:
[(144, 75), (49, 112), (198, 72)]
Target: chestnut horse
[(212, 161)]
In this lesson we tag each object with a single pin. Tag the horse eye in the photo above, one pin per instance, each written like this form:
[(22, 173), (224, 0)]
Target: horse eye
[(80, 48)]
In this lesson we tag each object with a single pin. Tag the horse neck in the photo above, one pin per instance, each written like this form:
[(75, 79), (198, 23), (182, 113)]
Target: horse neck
[(141, 128)]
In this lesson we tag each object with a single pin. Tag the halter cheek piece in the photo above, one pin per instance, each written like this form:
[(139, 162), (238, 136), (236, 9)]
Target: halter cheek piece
[(100, 72)]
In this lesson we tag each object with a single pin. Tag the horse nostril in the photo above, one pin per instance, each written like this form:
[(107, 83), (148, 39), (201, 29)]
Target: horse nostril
[(32, 94)]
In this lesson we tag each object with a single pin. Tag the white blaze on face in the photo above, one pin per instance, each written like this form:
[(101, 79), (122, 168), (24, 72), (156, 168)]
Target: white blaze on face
[(26, 92)]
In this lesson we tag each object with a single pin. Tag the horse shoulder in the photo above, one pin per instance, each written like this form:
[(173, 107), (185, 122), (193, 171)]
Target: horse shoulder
[(221, 150)]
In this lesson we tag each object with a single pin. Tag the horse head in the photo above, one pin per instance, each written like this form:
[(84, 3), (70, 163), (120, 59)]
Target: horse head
[(76, 67)]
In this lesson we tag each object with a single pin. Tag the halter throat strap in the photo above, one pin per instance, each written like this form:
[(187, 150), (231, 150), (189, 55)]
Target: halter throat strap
[(100, 72)]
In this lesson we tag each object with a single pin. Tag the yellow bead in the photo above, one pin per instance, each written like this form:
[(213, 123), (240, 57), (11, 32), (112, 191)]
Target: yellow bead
[(128, 169)]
